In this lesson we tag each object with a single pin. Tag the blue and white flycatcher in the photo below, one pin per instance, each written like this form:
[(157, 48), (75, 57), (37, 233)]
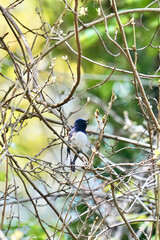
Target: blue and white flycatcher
[(78, 139)]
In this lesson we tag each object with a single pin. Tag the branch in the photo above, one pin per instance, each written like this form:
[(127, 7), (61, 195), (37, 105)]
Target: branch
[(76, 32), (91, 24), (43, 196), (13, 26), (136, 75), (121, 214)]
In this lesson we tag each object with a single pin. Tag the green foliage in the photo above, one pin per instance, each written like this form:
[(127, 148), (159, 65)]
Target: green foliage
[(35, 232), (2, 176)]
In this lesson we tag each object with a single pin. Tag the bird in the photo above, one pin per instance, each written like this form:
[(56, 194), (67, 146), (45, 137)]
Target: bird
[(77, 139)]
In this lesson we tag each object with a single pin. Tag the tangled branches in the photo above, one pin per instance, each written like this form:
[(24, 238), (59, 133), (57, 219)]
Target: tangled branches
[(115, 191)]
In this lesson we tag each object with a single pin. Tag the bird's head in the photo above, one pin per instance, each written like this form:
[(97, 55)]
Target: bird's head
[(80, 125)]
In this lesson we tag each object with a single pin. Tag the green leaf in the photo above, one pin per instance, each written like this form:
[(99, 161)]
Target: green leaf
[(2, 176)]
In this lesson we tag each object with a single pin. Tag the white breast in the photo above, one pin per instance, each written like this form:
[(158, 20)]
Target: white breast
[(79, 140)]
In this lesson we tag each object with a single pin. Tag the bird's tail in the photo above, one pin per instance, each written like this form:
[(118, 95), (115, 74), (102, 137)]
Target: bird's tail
[(73, 167), (73, 163)]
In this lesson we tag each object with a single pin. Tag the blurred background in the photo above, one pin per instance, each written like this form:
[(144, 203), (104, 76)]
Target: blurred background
[(45, 24)]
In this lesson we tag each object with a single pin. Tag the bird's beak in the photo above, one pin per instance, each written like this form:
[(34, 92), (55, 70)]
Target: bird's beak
[(87, 121)]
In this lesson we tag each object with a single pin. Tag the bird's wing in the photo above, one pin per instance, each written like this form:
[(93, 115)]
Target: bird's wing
[(69, 139)]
